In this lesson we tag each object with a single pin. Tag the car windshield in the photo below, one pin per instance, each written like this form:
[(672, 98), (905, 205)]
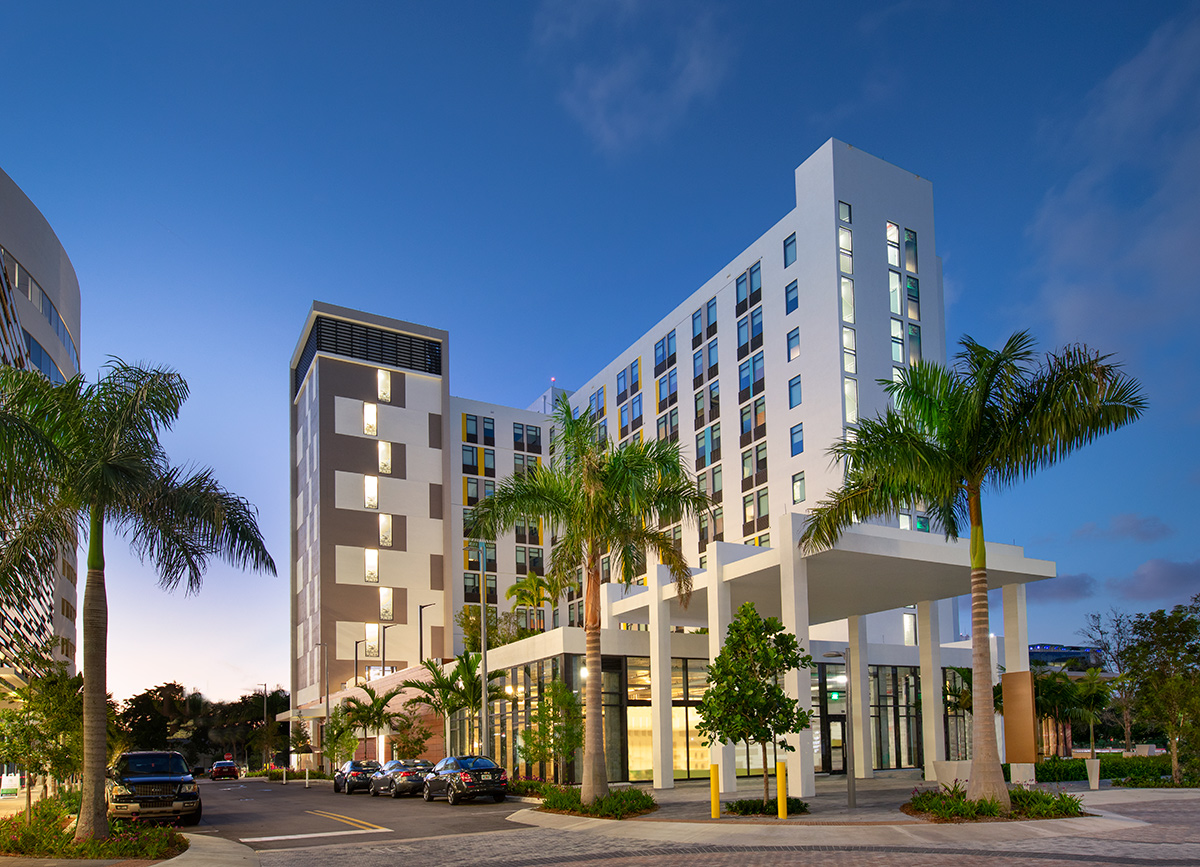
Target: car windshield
[(152, 764), (476, 763)]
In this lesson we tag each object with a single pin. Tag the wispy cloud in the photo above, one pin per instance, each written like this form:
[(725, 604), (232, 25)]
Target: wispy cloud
[(1165, 581), (1128, 525), (1117, 240), (630, 70), (1064, 588)]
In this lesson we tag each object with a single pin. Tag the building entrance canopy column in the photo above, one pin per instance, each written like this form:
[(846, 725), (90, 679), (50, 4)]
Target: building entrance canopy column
[(871, 569)]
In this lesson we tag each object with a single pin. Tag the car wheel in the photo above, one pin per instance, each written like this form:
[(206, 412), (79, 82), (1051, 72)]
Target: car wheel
[(498, 797), (426, 794), (194, 819), (395, 791), (336, 787), (347, 789), (452, 796), (374, 791)]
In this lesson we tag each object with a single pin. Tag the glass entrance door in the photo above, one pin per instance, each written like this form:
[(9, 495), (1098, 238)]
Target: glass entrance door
[(837, 744)]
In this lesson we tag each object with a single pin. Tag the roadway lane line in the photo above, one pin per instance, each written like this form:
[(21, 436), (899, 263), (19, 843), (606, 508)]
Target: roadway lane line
[(360, 827)]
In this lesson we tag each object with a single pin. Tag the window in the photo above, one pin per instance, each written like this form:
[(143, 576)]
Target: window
[(384, 384), (893, 245), (371, 492), (897, 341), (698, 363), (624, 414), (906, 522), (471, 585), (668, 387), (797, 440), (710, 314), (370, 419), (518, 436), (845, 250), (522, 564), (756, 324), (849, 351), (750, 374), (760, 413), (622, 380), (489, 486), (897, 374), (798, 488), (847, 300), (635, 380), (791, 297), (748, 464), (518, 465), (470, 460), (914, 344), (789, 250), (712, 356), (385, 459), (533, 438), (636, 405), (489, 431), (755, 283), (602, 431), (794, 393), (894, 292), (747, 418), (743, 335), (371, 571), (668, 425), (922, 523), (743, 289), (470, 428), (850, 391), (714, 399), (386, 610), (717, 485), (596, 403), (489, 462), (708, 445), (910, 250), (793, 344), (698, 326), (914, 298), (385, 531), (843, 212), (664, 353)]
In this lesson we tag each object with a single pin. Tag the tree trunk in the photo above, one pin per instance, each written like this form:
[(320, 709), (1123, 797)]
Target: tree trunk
[(28, 797), (1173, 742), (1127, 718), (766, 779), (987, 777), (595, 771), (93, 819)]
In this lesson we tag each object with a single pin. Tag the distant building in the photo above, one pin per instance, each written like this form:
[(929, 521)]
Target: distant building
[(755, 373), (1067, 657), (39, 329)]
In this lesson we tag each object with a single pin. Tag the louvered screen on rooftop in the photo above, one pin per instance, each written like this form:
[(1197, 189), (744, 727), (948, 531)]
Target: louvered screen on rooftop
[(362, 342)]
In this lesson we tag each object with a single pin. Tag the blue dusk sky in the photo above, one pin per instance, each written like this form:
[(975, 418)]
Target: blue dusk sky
[(546, 180)]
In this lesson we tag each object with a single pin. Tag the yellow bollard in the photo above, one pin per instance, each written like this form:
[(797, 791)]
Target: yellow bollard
[(781, 788), (714, 789)]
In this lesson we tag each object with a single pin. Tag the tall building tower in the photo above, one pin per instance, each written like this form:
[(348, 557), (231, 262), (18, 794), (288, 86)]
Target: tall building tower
[(39, 329)]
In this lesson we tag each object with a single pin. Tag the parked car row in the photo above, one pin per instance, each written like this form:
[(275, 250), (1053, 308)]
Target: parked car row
[(456, 778)]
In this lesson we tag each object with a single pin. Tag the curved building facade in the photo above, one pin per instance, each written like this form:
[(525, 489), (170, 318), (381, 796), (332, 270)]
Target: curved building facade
[(39, 329)]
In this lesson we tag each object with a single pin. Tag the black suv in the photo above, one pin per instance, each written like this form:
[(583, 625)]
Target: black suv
[(152, 785)]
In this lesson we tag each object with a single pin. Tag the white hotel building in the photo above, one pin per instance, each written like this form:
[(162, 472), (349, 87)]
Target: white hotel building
[(755, 374)]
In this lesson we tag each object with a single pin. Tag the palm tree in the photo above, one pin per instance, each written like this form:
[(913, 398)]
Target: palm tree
[(532, 592), (994, 418), (468, 684), (1093, 697), (108, 468), (599, 499), (439, 693), (372, 713)]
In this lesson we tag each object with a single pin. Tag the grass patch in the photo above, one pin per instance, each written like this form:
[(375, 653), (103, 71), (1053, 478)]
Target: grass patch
[(617, 804), (755, 807), (950, 804), (47, 836)]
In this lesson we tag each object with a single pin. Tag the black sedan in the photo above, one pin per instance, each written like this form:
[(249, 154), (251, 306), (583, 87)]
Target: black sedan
[(461, 778), (354, 775), (400, 777)]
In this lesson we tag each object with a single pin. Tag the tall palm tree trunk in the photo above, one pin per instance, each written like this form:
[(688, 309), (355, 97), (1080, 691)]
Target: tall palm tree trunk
[(987, 778), (93, 818), (595, 772)]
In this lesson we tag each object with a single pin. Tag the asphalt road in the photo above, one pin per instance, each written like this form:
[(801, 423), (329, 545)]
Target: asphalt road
[(268, 815)]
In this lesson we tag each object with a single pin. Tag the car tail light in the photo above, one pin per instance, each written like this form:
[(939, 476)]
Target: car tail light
[(466, 777), (503, 774)]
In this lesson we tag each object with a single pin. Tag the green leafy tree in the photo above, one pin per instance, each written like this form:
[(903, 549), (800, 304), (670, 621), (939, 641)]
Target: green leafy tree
[(994, 418), (340, 738), (599, 499), (1164, 662), (745, 699), (503, 627), (1111, 633), (408, 736), (555, 729), (106, 467), (299, 739), (1093, 696)]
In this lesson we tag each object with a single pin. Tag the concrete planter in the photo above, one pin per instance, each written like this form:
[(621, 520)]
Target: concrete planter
[(947, 772), (1093, 772)]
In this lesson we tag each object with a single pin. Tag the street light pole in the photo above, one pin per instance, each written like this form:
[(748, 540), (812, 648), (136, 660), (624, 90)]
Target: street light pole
[(383, 647), (848, 734), (421, 630), (356, 644), (265, 724), (325, 649)]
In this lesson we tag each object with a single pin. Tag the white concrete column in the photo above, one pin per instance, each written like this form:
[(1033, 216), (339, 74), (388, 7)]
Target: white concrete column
[(609, 593), (720, 612), (994, 650), (793, 591), (859, 680), (933, 722), (660, 679), (1016, 629)]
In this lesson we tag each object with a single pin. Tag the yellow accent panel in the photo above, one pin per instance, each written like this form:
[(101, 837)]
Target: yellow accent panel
[(464, 427), (464, 499)]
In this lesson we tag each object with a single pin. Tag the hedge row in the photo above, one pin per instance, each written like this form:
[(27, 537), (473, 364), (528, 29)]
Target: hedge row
[(1112, 767)]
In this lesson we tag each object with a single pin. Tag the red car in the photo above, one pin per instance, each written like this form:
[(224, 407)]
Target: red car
[(223, 771)]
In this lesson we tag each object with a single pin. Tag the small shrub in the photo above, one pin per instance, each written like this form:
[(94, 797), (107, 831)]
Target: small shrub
[(47, 836), (950, 804), (528, 788), (617, 804), (755, 807)]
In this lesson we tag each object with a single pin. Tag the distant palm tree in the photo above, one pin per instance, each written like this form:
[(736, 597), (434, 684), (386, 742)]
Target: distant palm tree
[(439, 693), (996, 417), (601, 499), (531, 592), (104, 465), (372, 713), (469, 685), (1094, 695)]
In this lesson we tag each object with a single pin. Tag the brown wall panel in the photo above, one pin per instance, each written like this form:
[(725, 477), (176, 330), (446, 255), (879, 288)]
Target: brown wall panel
[(435, 501), (435, 571), (1020, 740), (435, 430)]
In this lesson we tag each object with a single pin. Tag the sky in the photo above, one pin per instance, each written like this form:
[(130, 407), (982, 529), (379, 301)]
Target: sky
[(546, 180)]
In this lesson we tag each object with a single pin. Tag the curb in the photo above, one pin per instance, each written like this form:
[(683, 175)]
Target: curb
[(206, 851)]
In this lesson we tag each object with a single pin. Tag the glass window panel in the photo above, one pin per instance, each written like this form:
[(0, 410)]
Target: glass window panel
[(847, 300), (384, 384), (914, 344), (371, 492), (850, 388), (789, 251), (914, 298), (794, 391), (846, 262), (793, 344), (910, 250), (371, 564), (798, 488), (638, 677), (791, 297), (797, 439), (370, 419), (845, 239), (843, 212), (385, 458), (385, 531), (755, 278)]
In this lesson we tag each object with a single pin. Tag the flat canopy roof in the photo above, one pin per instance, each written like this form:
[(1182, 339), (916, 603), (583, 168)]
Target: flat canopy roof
[(871, 568)]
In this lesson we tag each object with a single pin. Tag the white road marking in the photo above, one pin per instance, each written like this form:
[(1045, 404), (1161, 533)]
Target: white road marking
[(321, 834)]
